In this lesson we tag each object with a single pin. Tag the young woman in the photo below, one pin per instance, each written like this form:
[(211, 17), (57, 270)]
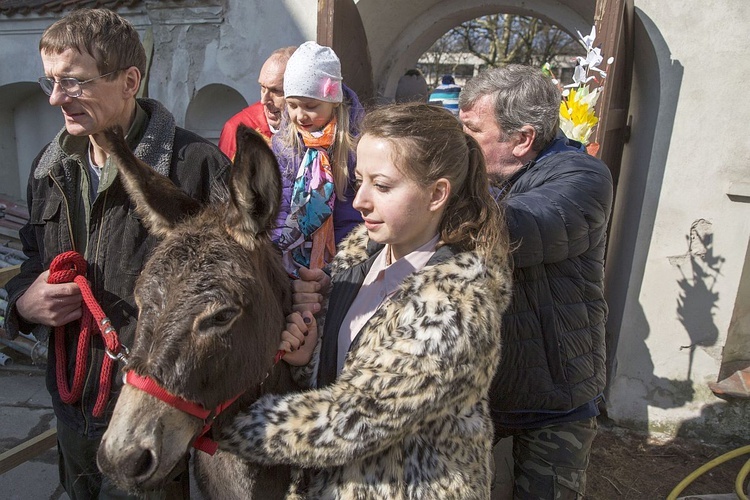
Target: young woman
[(412, 329), (315, 153)]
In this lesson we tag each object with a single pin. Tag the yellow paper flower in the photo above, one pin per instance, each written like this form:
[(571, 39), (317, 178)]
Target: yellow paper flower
[(577, 114)]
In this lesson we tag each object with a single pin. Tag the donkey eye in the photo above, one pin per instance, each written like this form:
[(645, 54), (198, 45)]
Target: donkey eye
[(219, 319), (224, 316)]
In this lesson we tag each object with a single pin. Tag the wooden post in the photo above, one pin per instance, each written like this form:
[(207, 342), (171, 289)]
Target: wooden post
[(340, 27), (614, 29), (27, 450), (6, 273)]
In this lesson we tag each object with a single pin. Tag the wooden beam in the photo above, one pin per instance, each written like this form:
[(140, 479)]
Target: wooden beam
[(6, 273), (27, 450), (340, 27), (614, 30)]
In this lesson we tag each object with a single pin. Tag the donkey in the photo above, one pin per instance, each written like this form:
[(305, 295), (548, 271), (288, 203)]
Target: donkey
[(212, 303)]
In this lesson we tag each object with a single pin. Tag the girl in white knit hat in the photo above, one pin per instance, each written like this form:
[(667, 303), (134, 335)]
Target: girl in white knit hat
[(315, 152)]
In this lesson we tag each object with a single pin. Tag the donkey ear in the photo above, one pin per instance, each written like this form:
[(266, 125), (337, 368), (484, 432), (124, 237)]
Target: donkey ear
[(254, 188), (158, 201)]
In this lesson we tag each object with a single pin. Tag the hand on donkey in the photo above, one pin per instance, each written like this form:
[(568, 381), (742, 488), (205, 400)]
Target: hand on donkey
[(310, 289), (299, 338)]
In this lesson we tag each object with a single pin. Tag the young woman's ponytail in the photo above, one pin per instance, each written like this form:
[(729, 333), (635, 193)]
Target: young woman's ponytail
[(472, 218), (429, 144)]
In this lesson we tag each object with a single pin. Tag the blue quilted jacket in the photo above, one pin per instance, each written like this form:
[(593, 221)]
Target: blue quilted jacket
[(553, 357)]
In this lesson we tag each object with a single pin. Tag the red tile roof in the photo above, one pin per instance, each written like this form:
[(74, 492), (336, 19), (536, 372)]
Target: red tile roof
[(23, 7)]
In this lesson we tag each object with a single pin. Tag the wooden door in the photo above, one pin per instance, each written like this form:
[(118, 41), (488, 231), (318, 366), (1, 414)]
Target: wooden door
[(340, 27), (614, 29)]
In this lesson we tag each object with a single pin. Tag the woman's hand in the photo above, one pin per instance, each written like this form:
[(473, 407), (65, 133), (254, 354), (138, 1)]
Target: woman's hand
[(299, 338), (310, 289)]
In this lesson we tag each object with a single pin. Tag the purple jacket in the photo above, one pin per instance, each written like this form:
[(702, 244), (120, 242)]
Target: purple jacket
[(345, 217)]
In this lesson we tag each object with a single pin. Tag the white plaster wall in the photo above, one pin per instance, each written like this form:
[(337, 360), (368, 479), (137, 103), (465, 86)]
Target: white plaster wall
[(699, 148), (20, 67), (36, 123), (19, 57), (199, 46)]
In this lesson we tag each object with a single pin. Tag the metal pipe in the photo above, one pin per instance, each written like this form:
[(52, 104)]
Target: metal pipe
[(37, 351), (5, 360)]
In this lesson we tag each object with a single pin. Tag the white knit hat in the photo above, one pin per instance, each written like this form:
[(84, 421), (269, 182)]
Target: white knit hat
[(313, 71)]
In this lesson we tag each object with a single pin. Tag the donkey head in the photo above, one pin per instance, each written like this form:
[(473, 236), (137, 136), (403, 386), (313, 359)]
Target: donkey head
[(212, 300)]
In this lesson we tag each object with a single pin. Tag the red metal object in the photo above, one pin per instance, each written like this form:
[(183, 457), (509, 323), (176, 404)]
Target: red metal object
[(737, 385)]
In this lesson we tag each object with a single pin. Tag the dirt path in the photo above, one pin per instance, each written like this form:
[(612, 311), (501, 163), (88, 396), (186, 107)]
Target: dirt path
[(626, 465)]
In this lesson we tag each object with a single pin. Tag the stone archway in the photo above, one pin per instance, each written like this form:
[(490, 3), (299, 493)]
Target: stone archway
[(398, 33), (211, 107), (30, 123)]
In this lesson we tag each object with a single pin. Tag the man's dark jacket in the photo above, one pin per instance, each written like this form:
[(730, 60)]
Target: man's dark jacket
[(117, 248), (553, 357)]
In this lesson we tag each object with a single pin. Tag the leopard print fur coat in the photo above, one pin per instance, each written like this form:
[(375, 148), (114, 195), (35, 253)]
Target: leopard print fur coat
[(408, 417)]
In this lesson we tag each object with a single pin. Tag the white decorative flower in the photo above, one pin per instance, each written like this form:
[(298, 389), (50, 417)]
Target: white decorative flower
[(588, 40), (577, 108)]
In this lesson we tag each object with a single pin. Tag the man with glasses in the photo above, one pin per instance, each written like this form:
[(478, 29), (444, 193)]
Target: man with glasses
[(263, 116), (93, 64)]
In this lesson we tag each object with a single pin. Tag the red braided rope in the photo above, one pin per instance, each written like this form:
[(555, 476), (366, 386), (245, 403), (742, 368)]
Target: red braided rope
[(71, 267)]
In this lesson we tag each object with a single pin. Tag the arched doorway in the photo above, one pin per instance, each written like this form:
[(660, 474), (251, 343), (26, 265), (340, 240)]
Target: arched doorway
[(211, 107), (30, 123), (398, 33)]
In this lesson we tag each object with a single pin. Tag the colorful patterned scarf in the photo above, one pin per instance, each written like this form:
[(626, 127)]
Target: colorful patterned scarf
[(308, 238)]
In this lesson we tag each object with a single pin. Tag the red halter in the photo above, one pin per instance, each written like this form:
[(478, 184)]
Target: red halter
[(203, 443)]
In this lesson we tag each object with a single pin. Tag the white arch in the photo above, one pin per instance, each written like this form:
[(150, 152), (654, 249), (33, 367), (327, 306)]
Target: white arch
[(211, 107), (399, 32)]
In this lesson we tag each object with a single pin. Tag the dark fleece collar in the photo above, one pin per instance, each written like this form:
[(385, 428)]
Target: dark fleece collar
[(155, 148)]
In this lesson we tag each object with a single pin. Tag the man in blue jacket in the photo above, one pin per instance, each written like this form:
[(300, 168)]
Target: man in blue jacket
[(557, 201)]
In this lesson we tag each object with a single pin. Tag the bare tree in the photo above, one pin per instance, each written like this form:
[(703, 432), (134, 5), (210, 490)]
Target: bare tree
[(501, 39), (437, 57)]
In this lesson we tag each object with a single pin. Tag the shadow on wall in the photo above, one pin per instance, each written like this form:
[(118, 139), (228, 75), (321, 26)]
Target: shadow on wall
[(657, 80), (734, 414), (700, 269), (637, 388)]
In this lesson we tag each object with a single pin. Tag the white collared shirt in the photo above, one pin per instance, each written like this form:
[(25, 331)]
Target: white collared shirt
[(381, 282)]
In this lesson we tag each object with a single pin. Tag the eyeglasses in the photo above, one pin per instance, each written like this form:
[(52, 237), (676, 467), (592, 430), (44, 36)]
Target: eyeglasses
[(72, 87)]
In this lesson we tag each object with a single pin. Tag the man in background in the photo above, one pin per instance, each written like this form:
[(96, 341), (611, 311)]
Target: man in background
[(557, 201), (412, 87), (265, 115), (446, 94)]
